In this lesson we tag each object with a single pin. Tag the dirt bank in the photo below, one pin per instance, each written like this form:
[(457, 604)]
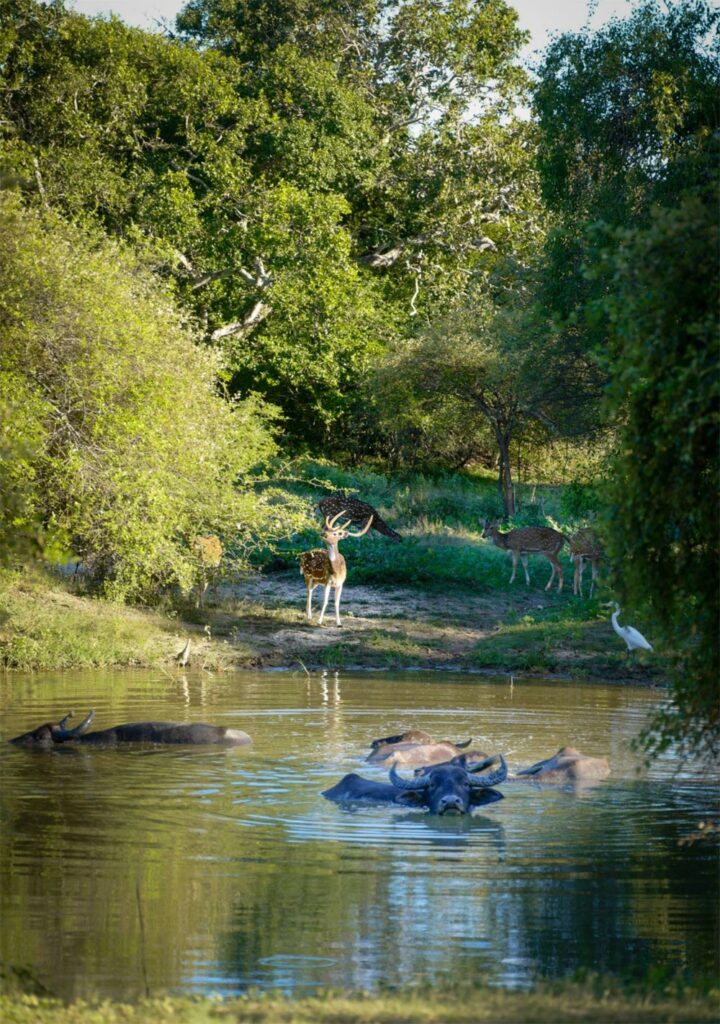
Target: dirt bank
[(262, 623)]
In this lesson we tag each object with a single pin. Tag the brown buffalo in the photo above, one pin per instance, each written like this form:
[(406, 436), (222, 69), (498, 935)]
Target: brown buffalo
[(416, 749), (568, 765), (422, 755)]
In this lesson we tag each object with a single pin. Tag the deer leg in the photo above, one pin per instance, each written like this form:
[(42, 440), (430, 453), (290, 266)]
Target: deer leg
[(577, 578), (514, 568), (556, 568), (309, 601), (326, 597), (525, 567), (338, 593), (595, 572)]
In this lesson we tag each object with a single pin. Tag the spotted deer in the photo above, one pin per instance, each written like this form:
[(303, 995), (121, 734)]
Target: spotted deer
[(327, 567), (585, 546), (528, 540)]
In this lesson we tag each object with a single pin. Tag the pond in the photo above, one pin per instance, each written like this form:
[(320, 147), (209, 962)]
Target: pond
[(215, 870)]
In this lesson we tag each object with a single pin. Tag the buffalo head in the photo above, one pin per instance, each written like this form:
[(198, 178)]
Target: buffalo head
[(451, 788), (46, 736)]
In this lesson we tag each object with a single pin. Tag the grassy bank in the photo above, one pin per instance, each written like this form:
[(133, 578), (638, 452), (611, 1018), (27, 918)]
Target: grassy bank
[(594, 1003), (441, 599), (261, 624), (45, 625)]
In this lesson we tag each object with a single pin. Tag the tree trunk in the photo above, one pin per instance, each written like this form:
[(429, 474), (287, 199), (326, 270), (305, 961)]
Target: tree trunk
[(505, 475)]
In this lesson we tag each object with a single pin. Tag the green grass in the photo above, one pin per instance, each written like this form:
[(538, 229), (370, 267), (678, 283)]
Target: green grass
[(595, 1001), (44, 625), (442, 559), (432, 513)]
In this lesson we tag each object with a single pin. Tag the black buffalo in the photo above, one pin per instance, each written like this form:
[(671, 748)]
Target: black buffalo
[(52, 733), (450, 788)]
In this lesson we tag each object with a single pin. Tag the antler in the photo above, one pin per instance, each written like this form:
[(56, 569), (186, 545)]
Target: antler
[(363, 531), (330, 523)]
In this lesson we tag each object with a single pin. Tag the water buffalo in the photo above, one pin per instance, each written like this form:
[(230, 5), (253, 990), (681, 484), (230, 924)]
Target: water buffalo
[(423, 755), (450, 788), (411, 736), (568, 765), (47, 736), (414, 749)]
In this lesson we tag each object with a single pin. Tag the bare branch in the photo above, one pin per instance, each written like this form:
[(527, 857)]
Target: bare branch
[(256, 315), (40, 185), (382, 260), (416, 292)]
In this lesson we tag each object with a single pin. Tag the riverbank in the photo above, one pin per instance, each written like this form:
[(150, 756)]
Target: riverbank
[(592, 1003), (260, 623)]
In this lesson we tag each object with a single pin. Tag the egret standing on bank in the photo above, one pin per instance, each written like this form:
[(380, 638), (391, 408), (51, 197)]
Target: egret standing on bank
[(632, 637)]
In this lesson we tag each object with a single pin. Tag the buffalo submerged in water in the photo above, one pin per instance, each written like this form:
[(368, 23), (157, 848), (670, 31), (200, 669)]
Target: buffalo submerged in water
[(450, 788), (51, 734)]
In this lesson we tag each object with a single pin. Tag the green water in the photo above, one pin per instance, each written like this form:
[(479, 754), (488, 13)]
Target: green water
[(213, 870)]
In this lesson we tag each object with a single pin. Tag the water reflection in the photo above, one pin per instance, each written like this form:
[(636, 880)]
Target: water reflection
[(245, 876)]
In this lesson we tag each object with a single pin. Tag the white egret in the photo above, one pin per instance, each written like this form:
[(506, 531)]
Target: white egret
[(632, 637)]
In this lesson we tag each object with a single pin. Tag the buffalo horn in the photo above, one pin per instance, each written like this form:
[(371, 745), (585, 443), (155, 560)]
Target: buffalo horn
[(400, 783), (494, 779), (69, 734), (462, 746)]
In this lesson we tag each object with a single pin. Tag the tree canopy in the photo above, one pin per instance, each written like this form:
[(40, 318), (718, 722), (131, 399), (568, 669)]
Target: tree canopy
[(629, 126)]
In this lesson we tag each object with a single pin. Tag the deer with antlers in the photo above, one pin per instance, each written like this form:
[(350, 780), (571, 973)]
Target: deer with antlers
[(327, 566), (585, 546), (528, 540)]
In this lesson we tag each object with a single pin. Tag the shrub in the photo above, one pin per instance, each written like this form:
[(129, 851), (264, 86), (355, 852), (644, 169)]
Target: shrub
[(134, 451)]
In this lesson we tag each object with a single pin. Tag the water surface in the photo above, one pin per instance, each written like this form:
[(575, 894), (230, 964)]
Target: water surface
[(213, 870)]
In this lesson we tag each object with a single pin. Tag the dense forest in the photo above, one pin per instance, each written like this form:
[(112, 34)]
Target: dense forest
[(363, 232)]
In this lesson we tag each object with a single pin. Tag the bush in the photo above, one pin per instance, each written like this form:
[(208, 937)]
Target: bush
[(134, 451)]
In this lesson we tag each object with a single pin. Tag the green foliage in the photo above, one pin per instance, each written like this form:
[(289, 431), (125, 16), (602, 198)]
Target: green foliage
[(321, 301), (491, 375), (21, 438), (135, 452), (629, 127), (625, 114), (579, 501), (268, 170), (664, 525)]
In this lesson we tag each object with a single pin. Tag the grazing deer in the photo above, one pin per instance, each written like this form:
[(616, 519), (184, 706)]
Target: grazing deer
[(328, 567), (584, 544), (529, 540)]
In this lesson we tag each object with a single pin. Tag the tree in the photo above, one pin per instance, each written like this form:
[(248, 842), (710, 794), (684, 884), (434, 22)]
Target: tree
[(133, 452), (664, 518), (314, 179), (21, 439), (489, 368), (623, 114), (629, 130)]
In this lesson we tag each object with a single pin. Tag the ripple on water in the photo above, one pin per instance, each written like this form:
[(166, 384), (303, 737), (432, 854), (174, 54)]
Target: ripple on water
[(220, 869)]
